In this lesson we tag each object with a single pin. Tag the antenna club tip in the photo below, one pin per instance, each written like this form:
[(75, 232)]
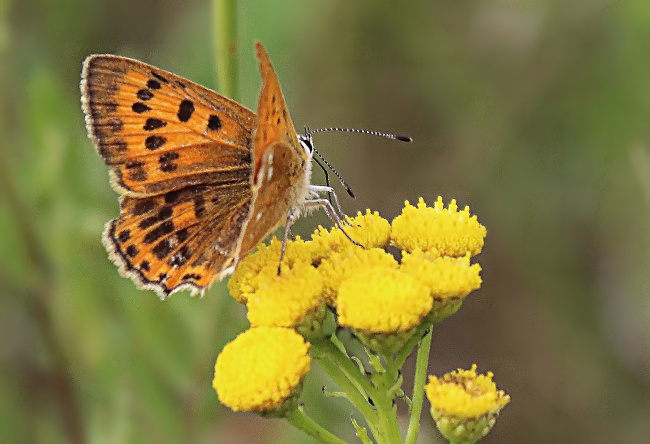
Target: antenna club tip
[(351, 193), (403, 138)]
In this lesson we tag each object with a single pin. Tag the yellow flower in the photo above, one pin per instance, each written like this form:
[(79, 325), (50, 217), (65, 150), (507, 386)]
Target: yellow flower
[(340, 266), (369, 230), (262, 370), (449, 279), (444, 232), (293, 299), (383, 306), (435, 272), (465, 405), (382, 300), (242, 283)]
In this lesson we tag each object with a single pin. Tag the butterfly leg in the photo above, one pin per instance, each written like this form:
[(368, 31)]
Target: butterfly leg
[(331, 213), (317, 189), (287, 232)]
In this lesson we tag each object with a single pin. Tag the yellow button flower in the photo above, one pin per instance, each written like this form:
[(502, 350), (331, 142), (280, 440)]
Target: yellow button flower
[(382, 300), (465, 405), (369, 230), (242, 283), (382, 306), (341, 265), (262, 370), (293, 299), (439, 230), (449, 279)]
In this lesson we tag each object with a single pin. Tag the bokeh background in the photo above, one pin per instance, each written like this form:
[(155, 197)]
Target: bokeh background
[(535, 114)]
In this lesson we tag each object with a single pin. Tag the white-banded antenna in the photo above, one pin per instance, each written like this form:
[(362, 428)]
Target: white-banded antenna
[(306, 139), (399, 137), (336, 173)]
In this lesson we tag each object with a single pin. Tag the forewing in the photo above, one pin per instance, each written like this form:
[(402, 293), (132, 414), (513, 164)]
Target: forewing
[(281, 164), (274, 124), (159, 132)]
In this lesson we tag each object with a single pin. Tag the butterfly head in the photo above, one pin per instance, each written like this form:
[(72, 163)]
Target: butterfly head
[(307, 143)]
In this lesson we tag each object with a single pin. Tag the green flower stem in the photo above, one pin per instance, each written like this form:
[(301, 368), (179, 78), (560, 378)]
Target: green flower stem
[(301, 421), (388, 427), (421, 367), (348, 377), (411, 343), (225, 46)]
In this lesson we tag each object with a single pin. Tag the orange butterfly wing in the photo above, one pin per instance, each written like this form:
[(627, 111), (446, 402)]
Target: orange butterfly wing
[(181, 157), (202, 180), (282, 167)]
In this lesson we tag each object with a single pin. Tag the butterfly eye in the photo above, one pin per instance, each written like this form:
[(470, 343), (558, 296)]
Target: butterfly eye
[(306, 143)]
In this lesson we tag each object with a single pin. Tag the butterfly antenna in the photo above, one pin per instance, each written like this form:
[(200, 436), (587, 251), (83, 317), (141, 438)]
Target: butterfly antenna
[(343, 182), (361, 131), (327, 176)]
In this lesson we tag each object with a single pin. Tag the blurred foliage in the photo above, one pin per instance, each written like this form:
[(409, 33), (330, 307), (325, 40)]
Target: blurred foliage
[(533, 113)]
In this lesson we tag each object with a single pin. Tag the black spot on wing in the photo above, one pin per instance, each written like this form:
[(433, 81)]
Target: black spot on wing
[(168, 167), (165, 212), (167, 164), (172, 196), (185, 110), (214, 123), (131, 250), (143, 206), (182, 235), (153, 124), (140, 107), (153, 84), (148, 222), (138, 174), (144, 95), (168, 157), (159, 77), (124, 236), (134, 164), (158, 232), (154, 142), (162, 249)]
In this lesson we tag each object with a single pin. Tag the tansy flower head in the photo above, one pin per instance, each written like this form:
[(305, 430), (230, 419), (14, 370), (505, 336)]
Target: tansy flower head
[(383, 306), (439, 230), (465, 405), (293, 299), (262, 370), (341, 265), (369, 230), (242, 281), (449, 279)]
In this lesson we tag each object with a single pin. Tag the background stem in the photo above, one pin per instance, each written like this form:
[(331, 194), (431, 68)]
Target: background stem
[(225, 46)]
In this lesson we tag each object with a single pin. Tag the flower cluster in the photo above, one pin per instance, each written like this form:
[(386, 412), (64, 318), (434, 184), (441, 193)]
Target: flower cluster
[(393, 280)]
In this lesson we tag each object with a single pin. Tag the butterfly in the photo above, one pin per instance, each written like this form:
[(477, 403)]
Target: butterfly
[(202, 179)]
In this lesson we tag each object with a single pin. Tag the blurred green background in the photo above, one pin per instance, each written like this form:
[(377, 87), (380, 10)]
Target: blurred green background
[(536, 114)]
